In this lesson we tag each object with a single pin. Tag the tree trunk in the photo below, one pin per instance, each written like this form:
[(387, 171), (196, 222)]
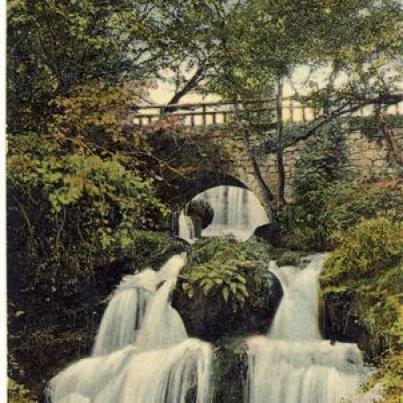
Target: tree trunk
[(279, 150), (267, 193), (390, 138)]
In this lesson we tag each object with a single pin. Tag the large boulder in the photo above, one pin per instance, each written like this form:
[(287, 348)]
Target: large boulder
[(226, 291), (202, 210)]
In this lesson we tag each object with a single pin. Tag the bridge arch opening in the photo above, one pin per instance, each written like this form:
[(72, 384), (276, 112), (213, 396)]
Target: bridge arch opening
[(208, 180), (222, 209)]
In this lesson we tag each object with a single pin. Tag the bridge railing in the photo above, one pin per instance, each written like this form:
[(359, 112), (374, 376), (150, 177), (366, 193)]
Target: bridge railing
[(218, 113)]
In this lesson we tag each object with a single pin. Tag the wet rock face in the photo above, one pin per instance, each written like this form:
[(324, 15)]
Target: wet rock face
[(210, 319), (201, 213), (340, 323), (269, 232)]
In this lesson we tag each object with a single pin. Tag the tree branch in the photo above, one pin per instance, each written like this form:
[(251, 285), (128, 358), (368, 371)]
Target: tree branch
[(351, 105), (192, 82)]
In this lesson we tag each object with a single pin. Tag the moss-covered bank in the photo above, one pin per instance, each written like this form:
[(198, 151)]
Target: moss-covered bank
[(362, 284)]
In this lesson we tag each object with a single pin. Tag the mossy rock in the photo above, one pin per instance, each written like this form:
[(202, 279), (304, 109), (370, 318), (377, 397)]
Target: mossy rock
[(289, 258), (270, 233), (149, 248), (226, 289), (230, 370), (202, 210)]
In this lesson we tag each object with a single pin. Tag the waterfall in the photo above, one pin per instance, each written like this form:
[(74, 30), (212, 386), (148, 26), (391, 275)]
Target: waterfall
[(171, 269), (292, 364), (163, 376), (162, 326), (142, 353), (237, 212), (186, 227), (125, 312), (297, 316)]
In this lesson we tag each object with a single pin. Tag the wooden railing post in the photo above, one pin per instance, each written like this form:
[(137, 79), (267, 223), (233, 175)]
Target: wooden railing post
[(291, 112), (204, 117)]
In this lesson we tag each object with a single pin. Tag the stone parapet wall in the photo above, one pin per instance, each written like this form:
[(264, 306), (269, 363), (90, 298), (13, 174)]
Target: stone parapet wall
[(369, 156)]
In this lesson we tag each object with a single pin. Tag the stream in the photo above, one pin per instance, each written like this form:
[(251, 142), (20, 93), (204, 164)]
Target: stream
[(142, 353)]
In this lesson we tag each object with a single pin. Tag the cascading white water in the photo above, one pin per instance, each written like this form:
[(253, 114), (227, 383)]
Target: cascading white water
[(297, 315), (293, 364), (172, 268), (186, 227), (125, 312), (237, 212), (154, 362), (162, 326), (133, 376), (163, 376)]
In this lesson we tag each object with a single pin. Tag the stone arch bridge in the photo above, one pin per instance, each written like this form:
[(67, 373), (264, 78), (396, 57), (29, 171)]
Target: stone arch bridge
[(369, 154)]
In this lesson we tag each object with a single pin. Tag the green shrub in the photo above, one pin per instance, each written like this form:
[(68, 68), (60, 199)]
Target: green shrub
[(319, 166), (17, 393), (225, 267), (301, 237), (67, 213), (321, 221), (321, 163), (346, 203), (289, 258), (328, 199), (365, 250)]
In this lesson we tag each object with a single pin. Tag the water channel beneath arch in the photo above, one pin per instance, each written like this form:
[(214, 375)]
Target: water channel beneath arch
[(237, 212)]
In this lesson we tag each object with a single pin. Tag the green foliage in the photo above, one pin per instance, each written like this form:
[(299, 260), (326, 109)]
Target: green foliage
[(347, 202), (227, 268), (55, 46), (321, 163), (149, 248), (289, 258), (72, 211), (390, 377), (328, 201), (337, 207), (365, 250), (367, 267), (319, 166), (267, 39), (17, 393)]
